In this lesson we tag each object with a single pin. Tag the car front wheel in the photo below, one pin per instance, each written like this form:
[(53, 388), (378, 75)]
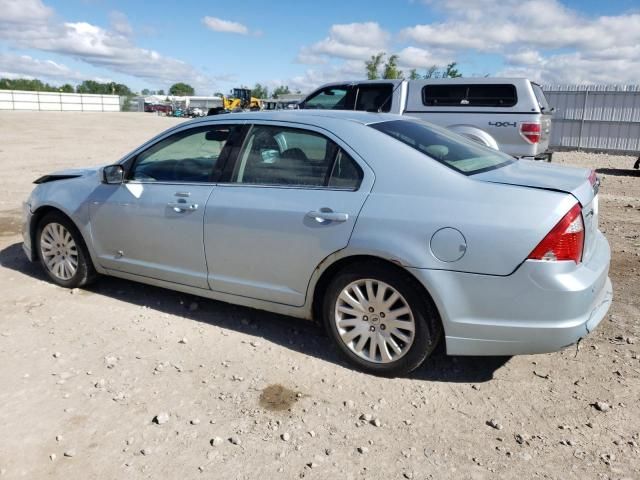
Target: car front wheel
[(62, 252), (381, 319)]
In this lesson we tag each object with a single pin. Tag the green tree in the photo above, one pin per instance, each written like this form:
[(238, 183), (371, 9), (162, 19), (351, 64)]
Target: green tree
[(66, 88), (451, 71), (181, 89), (145, 92), (414, 75), (260, 91), (391, 68), (110, 88), (160, 92), (32, 85), (373, 64), (281, 90), (432, 72)]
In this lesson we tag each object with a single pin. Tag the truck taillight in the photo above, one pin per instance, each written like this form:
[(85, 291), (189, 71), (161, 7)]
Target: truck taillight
[(531, 132), (565, 241)]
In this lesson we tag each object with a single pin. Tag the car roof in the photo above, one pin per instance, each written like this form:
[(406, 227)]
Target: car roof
[(320, 118)]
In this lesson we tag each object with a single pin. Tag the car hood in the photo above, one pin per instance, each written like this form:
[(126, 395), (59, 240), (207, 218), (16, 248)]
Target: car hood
[(535, 174), (66, 174), (77, 172)]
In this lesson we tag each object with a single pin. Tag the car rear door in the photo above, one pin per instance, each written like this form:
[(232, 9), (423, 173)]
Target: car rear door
[(290, 199), (151, 225)]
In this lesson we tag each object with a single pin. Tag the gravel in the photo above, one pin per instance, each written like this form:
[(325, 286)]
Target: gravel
[(432, 421)]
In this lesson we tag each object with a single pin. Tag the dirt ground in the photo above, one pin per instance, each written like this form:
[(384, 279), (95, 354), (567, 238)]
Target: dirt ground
[(238, 393)]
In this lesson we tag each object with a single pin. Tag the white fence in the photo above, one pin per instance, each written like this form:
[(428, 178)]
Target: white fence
[(603, 118), (52, 101)]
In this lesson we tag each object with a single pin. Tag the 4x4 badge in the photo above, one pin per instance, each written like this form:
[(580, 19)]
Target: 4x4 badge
[(502, 124)]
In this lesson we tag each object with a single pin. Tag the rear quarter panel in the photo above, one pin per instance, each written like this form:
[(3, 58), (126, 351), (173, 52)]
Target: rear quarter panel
[(414, 196)]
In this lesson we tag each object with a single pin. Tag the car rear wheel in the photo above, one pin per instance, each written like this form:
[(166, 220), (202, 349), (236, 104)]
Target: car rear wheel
[(380, 319), (62, 252)]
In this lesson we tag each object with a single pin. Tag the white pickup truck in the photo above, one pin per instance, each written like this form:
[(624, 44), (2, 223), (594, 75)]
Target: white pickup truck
[(508, 114)]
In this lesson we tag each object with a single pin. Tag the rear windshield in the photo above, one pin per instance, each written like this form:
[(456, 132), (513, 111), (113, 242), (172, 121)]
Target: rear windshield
[(453, 150), (470, 95), (542, 100)]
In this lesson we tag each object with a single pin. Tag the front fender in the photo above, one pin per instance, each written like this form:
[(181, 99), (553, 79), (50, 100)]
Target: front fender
[(71, 197)]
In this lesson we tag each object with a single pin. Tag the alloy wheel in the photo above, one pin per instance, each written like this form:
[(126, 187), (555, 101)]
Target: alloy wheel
[(59, 251), (374, 321)]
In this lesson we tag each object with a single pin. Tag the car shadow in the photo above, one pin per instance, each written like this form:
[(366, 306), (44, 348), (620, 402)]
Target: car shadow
[(619, 172), (297, 335)]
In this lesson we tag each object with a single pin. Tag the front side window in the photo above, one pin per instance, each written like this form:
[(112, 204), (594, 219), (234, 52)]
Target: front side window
[(374, 97), (331, 98), (188, 156), (470, 95), (274, 155), (455, 151)]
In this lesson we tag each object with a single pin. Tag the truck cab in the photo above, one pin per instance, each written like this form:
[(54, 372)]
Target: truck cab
[(507, 114)]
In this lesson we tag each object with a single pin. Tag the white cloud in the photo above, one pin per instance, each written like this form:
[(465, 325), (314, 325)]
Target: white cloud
[(368, 34), (120, 23), (23, 11), (576, 67), (313, 78), (352, 41), (524, 57), (227, 26), (541, 39), (112, 49), (20, 66), (413, 57)]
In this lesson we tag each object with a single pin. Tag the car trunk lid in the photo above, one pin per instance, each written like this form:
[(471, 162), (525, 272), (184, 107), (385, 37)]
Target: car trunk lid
[(575, 181)]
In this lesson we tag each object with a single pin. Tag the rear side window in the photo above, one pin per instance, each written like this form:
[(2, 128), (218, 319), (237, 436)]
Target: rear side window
[(470, 95), (455, 151), (331, 98), (374, 97), (283, 156)]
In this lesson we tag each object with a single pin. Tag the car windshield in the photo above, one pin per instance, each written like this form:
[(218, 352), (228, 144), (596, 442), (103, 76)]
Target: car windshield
[(453, 150)]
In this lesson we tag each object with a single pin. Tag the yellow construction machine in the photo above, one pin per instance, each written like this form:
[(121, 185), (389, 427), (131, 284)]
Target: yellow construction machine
[(241, 99)]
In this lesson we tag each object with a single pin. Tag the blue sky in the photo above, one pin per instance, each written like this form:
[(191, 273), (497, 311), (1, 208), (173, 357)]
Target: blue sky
[(217, 45)]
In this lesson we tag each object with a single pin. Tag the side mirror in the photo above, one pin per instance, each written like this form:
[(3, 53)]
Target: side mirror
[(113, 174)]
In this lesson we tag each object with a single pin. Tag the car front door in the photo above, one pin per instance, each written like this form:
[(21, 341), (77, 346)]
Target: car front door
[(290, 199), (151, 225)]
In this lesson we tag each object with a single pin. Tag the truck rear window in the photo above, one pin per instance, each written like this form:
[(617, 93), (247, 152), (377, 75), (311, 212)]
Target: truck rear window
[(453, 150), (469, 95), (542, 100)]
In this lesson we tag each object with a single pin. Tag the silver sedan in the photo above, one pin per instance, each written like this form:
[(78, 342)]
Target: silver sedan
[(392, 232)]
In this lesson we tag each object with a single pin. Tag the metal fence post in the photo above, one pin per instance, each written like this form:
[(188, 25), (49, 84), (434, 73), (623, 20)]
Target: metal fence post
[(584, 112)]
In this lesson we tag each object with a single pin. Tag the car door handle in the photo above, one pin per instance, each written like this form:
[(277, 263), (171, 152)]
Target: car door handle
[(180, 207), (323, 216)]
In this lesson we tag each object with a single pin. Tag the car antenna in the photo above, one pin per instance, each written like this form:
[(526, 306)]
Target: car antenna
[(389, 97)]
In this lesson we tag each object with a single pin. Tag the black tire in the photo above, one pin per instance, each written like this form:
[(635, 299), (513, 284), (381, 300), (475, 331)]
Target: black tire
[(428, 327), (85, 272)]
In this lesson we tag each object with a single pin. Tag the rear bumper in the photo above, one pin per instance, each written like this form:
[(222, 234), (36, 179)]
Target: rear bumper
[(545, 156), (541, 307)]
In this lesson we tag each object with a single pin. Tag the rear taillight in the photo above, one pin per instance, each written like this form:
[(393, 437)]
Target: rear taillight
[(565, 241), (530, 132)]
